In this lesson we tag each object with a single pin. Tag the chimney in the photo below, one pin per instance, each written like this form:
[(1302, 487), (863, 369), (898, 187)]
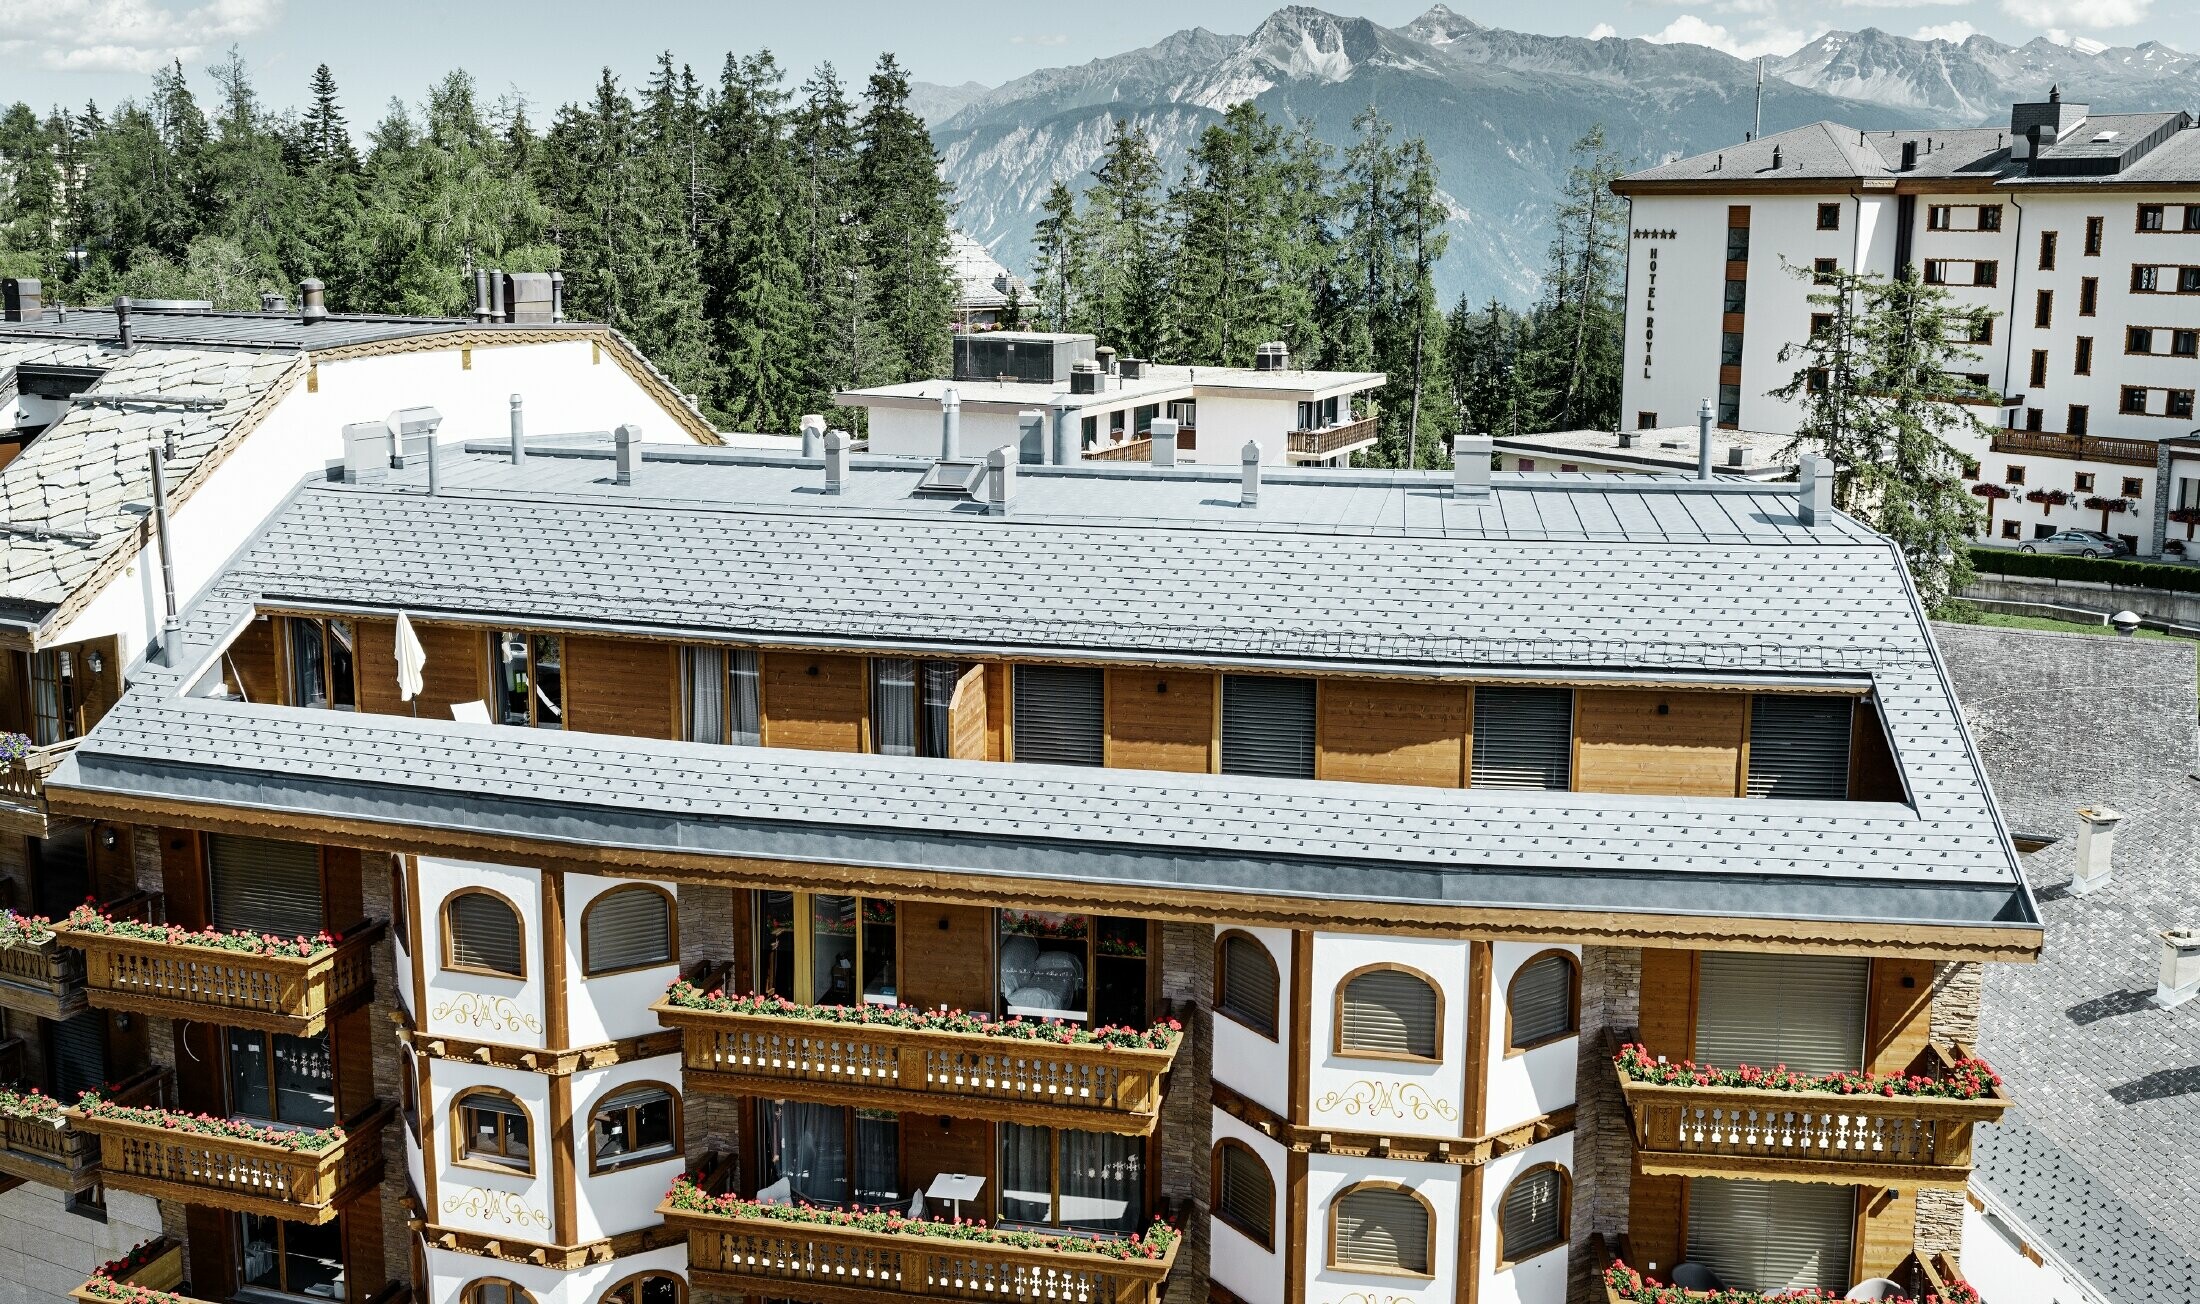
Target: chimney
[(481, 294), (412, 430), (496, 294), (312, 302), (1814, 489), (122, 319), (1063, 420), (627, 445), (1163, 431), (1626, 439), (2096, 843), (950, 423), (813, 435), (1131, 368), (1740, 456), (527, 297), (1776, 158), (836, 461), (367, 454), (1249, 474), (1084, 378), (2180, 978), (519, 433), (1105, 357), (20, 298), (1031, 434), (1000, 482), (1470, 466), (557, 296), (1705, 418), (1909, 156)]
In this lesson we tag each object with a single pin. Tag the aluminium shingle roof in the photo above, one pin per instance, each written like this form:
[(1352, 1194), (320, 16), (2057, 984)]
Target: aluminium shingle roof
[(249, 330)]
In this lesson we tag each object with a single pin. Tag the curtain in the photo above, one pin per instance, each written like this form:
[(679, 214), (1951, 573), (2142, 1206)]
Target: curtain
[(808, 1145), (878, 1157), (308, 673), (746, 721), (705, 676), (1027, 1173), (1103, 1178), (894, 706)]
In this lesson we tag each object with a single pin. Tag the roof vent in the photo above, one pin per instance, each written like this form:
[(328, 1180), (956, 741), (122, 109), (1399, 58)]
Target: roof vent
[(1105, 356), (495, 306), (836, 461), (1814, 490), (557, 296), (1084, 378), (950, 424), (411, 431), (1741, 455), (122, 319), (2180, 978), (1275, 355), (528, 297), (1776, 164), (2096, 847), (1131, 368), (20, 298), (273, 302), (1470, 466), (956, 478), (1000, 482), (1627, 438), (1249, 474), (626, 444), (367, 454), (813, 435), (312, 301), (1163, 433)]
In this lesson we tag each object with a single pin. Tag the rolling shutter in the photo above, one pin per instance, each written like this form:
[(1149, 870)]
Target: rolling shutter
[(1381, 1228), (1542, 1001), (1248, 1194), (1804, 1011), (628, 928), (1523, 738), (263, 886), (1389, 1011), (1250, 985), (1268, 726), (484, 934), (1799, 747), (76, 1055), (1772, 1236), (1533, 1215), (1059, 715)]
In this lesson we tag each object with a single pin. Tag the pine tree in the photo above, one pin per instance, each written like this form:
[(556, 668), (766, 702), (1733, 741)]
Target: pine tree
[(839, 340), (750, 268), (1055, 267), (902, 206), (1250, 211), (1576, 353), (1120, 244), (31, 212), (327, 137)]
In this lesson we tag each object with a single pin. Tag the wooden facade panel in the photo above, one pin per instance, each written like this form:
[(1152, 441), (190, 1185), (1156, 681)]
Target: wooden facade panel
[(1161, 720), (456, 670), (183, 878), (622, 686), (1657, 1222), (1377, 732), (815, 702), (1666, 1016), (1898, 1020), (997, 681), (1886, 1231), (351, 1045), (1873, 775), (252, 665), (376, 661), (934, 1144), (957, 946), (97, 690), (966, 716), (213, 1271), (342, 895), (15, 691), (1654, 741)]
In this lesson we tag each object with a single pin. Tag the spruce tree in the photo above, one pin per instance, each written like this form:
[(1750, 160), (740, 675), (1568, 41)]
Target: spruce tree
[(839, 333), (1576, 354), (326, 135), (1120, 246), (1059, 237), (752, 279), (903, 208)]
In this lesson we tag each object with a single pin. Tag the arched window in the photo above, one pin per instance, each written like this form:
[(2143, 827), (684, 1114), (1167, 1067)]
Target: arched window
[(1387, 1011), (495, 1290), (1381, 1227), (627, 928), (1543, 1001), (489, 1129), (647, 1288), (408, 1091), (1245, 1192), (481, 934), (635, 1124), (1247, 985), (1534, 1214), (400, 911)]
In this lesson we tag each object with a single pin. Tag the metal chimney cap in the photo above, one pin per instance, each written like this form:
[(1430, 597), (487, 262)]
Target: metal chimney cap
[(2126, 622)]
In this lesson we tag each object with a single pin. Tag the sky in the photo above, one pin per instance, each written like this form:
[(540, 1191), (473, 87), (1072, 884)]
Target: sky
[(550, 51)]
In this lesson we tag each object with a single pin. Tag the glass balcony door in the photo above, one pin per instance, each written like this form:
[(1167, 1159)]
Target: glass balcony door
[(828, 1155)]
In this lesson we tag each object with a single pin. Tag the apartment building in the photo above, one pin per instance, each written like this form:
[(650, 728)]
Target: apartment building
[(2075, 236), (237, 408), (736, 868)]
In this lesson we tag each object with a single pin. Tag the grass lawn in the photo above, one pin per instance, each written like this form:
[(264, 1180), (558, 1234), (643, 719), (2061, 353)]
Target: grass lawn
[(2004, 620)]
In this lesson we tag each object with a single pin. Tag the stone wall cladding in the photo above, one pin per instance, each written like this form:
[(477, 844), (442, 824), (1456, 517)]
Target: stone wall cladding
[(1611, 992), (1185, 1135), (375, 869), (712, 1123)]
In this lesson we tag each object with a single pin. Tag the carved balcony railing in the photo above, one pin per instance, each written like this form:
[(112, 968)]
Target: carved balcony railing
[(44, 978), (270, 993), (1810, 1136), (2089, 448), (964, 1075), (23, 788), (1334, 439), (155, 1266), (246, 1176), (52, 1151)]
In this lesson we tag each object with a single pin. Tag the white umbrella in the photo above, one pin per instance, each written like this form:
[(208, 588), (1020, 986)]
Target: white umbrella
[(411, 658)]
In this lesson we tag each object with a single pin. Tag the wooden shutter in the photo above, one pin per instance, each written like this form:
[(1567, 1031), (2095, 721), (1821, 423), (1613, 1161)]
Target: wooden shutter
[(484, 934), (1523, 738), (966, 716), (1799, 747), (1533, 1214), (1542, 1000), (1804, 1011), (627, 928), (1247, 1194), (265, 886), (1382, 1228), (1772, 1236), (1268, 726), (1390, 1012), (1059, 712), (1250, 984)]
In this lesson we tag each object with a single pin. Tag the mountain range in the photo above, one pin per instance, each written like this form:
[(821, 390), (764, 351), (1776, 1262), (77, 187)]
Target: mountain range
[(1498, 108)]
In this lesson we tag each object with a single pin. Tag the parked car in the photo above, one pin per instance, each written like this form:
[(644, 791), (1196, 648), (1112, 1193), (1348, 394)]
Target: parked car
[(2078, 543)]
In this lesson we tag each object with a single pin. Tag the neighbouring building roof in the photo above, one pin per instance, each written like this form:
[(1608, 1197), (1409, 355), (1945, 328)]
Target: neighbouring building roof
[(1666, 450), (249, 330), (1157, 383), (981, 282), (1546, 577)]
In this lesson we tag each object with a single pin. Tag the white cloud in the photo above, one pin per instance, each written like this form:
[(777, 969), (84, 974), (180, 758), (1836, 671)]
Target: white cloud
[(1602, 30), (1762, 38), (1047, 38), (1958, 32), (2077, 13), (128, 35)]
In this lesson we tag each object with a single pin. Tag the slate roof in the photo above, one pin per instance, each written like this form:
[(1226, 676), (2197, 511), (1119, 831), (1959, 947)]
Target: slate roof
[(1828, 151), (1551, 574), (250, 330), (2108, 1085)]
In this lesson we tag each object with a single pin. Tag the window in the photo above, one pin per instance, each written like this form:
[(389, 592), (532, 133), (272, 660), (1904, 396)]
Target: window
[(637, 1125), (2043, 309), (400, 904), (55, 698), (1523, 738), (1737, 295), (323, 664), (291, 1258), (2132, 401), (1986, 271), (1091, 1181), (2192, 217), (1059, 714), (1936, 271), (262, 886), (281, 1078), (2093, 227), (905, 724), (825, 950), (2082, 482), (1829, 217), (2079, 420), (831, 1155), (1820, 323), (2134, 487), (648, 1288), (2038, 375), (1391, 1012), (1799, 746), (2035, 418), (1380, 1228), (2015, 475), (2138, 339), (2048, 240), (2184, 343), (2150, 217), (481, 934), (1646, 421), (492, 1131), (1737, 243), (1268, 726), (719, 693), (1532, 1215), (528, 684), (2178, 403), (1772, 1237), (2144, 279), (1542, 1003), (1248, 986), (493, 1290), (627, 928), (1989, 217), (1730, 405), (1982, 328), (1824, 270), (1055, 965), (1730, 348), (2188, 280), (2082, 360), (1938, 217), (2089, 296), (2188, 492), (1245, 1192), (2008, 529)]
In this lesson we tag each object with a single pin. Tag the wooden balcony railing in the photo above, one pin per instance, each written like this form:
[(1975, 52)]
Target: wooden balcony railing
[(1141, 448), (159, 1268), (190, 1167), (963, 1075), (2091, 448), (42, 978), (1808, 1136), (269, 993), (1923, 1278), (1335, 439), (767, 1257), (55, 1152), (23, 788)]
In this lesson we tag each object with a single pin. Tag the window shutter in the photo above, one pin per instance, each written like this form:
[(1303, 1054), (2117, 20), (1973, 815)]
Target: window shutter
[(265, 886), (627, 927), (1542, 1000), (1249, 984), (1533, 1215), (1382, 1229), (1804, 1011), (1248, 1194), (1799, 747), (1389, 1011), (1059, 715), (484, 934), (1772, 1236), (966, 709), (1523, 738), (1268, 726)]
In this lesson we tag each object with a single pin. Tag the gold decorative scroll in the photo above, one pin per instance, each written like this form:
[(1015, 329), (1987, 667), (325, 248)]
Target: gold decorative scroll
[(1375, 1099)]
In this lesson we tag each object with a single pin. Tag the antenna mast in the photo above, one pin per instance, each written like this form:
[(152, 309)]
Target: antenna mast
[(1758, 129)]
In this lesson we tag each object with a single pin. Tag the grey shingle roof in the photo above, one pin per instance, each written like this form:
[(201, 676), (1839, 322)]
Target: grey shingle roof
[(240, 329), (1817, 151), (2117, 1248), (1828, 151)]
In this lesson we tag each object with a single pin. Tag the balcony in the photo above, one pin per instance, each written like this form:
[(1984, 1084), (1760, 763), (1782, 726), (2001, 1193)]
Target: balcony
[(155, 1267), (1141, 448), (2089, 448), (297, 1175), (156, 969), (1694, 1129), (1321, 445), (1924, 1278), (23, 786), (730, 1046), (39, 1144), (759, 1250)]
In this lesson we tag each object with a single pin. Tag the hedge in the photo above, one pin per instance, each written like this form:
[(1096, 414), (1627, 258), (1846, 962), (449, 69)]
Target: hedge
[(2102, 570)]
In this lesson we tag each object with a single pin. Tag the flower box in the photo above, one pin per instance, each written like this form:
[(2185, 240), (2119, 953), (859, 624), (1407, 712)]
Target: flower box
[(245, 980), (148, 1274), (39, 1144), (301, 1175), (24, 766), (38, 975)]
